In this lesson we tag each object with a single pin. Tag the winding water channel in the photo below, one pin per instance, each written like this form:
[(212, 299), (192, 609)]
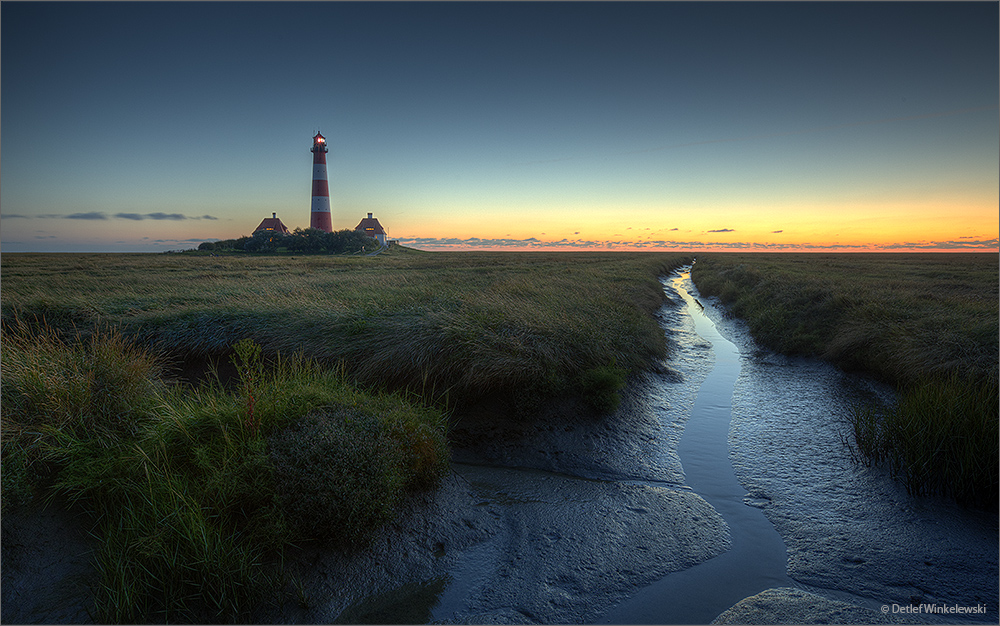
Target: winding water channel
[(724, 474), (756, 561)]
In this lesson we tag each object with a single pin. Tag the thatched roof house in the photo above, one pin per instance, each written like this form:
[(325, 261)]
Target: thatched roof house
[(372, 228), (272, 223)]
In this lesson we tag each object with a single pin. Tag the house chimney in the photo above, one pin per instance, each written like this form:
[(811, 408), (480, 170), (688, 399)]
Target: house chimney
[(369, 216), (274, 215)]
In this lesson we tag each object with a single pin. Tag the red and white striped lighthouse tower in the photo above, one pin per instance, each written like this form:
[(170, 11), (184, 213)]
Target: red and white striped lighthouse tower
[(320, 217)]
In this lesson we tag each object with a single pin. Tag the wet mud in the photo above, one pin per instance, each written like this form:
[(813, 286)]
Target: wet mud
[(730, 449), (47, 572)]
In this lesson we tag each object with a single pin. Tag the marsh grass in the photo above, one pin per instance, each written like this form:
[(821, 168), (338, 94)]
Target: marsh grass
[(901, 317), (926, 323), (457, 325), (192, 501)]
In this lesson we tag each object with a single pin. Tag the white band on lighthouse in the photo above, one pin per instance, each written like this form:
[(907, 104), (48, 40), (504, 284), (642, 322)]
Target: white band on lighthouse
[(319, 171)]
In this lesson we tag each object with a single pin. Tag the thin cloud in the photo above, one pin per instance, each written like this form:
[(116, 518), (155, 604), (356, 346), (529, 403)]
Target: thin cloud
[(532, 243), (775, 232), (41, 216), (162, 216), (98, 215), (723, 230), (981, 244)]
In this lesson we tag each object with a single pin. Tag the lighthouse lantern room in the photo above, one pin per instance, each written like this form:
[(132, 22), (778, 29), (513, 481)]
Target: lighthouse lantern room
[(320, 213)]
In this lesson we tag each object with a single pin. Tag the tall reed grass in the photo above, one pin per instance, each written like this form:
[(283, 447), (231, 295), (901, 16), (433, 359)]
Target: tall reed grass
[(926, 323)]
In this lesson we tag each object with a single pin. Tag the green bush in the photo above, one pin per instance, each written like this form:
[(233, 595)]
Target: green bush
[(94, 393), (103, 387), (337, 476)]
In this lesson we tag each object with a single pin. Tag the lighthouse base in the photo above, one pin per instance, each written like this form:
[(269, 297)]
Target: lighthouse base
[(321, 221)]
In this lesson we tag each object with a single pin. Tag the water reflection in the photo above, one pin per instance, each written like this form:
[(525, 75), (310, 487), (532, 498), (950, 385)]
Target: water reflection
[(756, 561)]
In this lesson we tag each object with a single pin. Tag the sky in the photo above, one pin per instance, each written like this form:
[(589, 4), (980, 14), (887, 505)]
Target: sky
[(816, 126)]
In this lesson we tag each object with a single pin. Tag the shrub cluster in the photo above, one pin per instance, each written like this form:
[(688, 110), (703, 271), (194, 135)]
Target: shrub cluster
[(195, 492), (324, 462), (300, 240)]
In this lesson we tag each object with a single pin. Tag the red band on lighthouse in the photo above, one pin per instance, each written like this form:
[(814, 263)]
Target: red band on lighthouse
[(320, 210), (321, 188)]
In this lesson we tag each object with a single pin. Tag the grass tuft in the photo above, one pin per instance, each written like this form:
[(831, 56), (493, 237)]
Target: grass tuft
[(191, 511), (600, 387), (939, 438)]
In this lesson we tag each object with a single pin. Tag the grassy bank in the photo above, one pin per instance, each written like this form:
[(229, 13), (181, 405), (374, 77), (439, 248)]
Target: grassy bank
[(195, 493), (926, 323), (461, 325)]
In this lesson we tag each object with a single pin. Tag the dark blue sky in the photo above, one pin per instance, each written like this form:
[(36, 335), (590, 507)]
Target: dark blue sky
[(478, 122)]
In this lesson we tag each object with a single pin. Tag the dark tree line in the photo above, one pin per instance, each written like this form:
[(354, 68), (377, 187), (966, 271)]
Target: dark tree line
[(302, 240)]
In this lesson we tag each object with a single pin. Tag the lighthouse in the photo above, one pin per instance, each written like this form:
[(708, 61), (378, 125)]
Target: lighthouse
[(320, 214)]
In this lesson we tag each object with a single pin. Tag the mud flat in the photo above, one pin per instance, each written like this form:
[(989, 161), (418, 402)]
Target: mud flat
[(551, 521), (513, 546), (787, 605)]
